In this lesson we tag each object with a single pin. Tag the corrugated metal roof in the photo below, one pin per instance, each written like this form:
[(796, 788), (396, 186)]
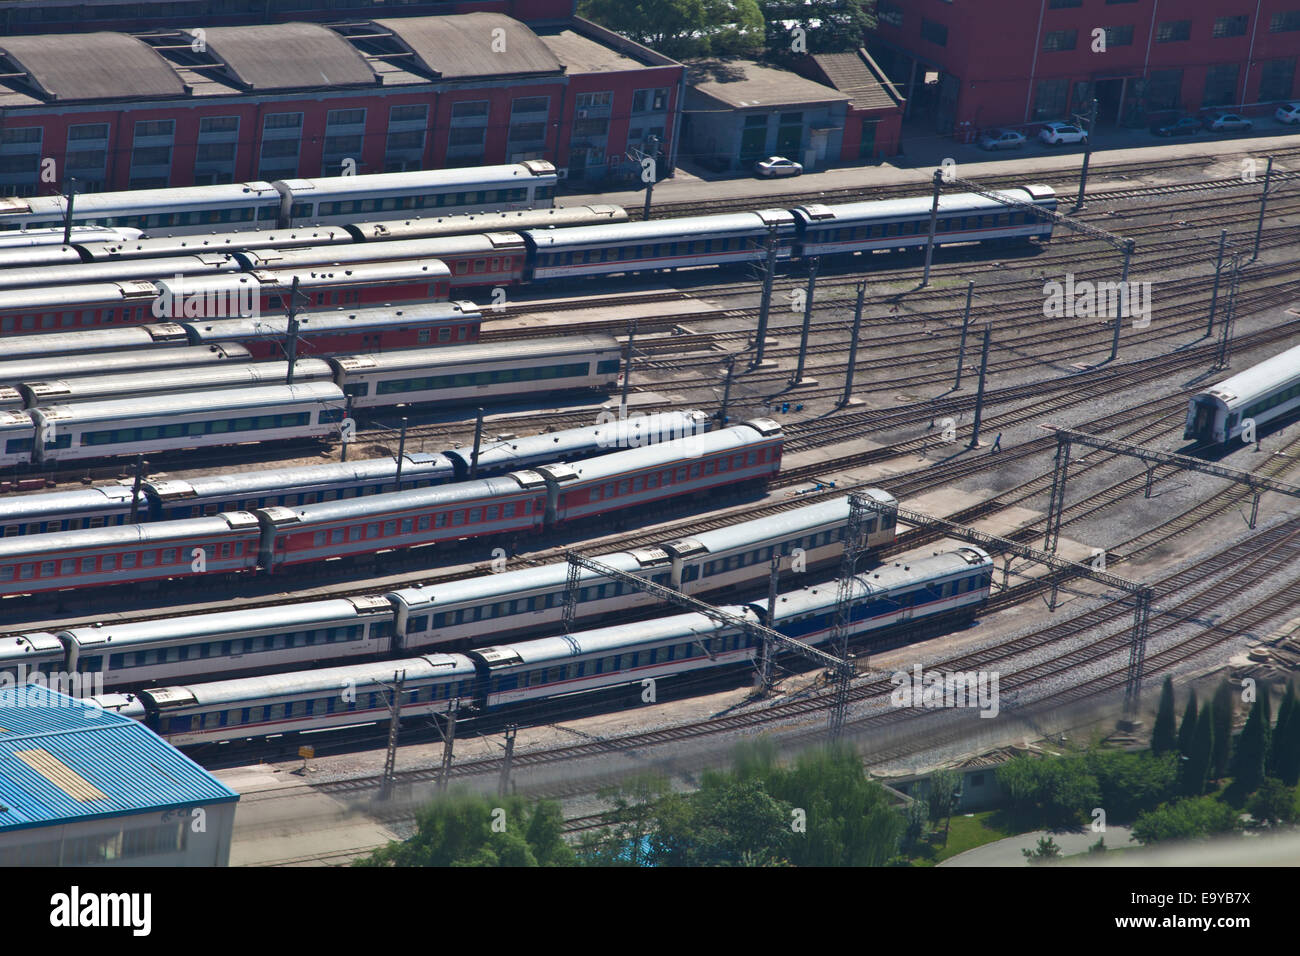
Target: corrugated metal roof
[(466, 45), (288, 56), (92, 66), (853, 73), (63, 759), (744, 84)]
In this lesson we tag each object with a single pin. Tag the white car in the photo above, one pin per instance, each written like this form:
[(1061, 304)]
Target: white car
[(777, 166), (1288, 113), (1058, 134), (1224, 122), (1001, 139)]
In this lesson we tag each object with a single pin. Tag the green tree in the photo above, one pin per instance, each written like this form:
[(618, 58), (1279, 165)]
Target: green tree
[(1196, 768), (470, 830), (916, 826), (683, 28), (1130, 783), (1273, 802), (1187, 729), (829, 26), (1047, 850), (629, 823), (1252, 747), (1164, 735), (1188, 819), (1050, 792), (1224, 703), (1285, 747), (1099, 846), (942, 798)]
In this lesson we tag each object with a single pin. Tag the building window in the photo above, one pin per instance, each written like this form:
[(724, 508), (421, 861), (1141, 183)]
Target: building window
[(1174, 31), (586, 128), (345, 118), (88, 131), (1050, 98), (411, 139), (1230, 26), (650, 101), (1119, 36), (470, 109), (530, 104), (592, 101), (1284, 22), (22, 134), (889, 13), (151, 156), (756, 119), (219, 124), (283, 121), (466, 136), (19, 165), (1277, 79), (280, 143), (527, 132), (215, 153), (1060, 40), (413, 113), (1221, 85), (155, 128), (1064, 4), (86, 159), (936, 33), (1164, 89)]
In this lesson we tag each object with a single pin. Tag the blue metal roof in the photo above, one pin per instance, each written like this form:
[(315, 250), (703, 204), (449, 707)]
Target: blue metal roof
[(63, 760)]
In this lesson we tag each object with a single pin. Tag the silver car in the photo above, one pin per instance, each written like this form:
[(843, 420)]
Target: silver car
[(1224, 122), (1288, 113), (1001, 139), (775, 166)]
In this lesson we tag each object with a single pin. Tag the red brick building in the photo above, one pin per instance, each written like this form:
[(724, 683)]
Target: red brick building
[(1014, 62)]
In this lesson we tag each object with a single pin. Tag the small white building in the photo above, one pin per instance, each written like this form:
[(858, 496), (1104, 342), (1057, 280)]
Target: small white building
[(80, 786)]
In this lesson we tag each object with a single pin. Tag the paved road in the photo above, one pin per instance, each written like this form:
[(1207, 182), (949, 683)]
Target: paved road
[(1007, 852)]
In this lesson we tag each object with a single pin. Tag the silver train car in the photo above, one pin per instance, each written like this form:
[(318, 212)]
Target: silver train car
[(1264, 393), (95, 363)]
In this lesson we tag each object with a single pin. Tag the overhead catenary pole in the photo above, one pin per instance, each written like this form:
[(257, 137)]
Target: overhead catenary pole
[(765, 304), (965, 324), (347, 417), (69, 193), (401, 455), (934, 218), (813, 264), (1263, 202), (140, 464), (478, 439), (448, 744), (394, 725), (767, 653), (653, 142), (726, 389), (627, 365), (853, 346), (1218, 271), (1087, 154), (979, 393), (291, 345), (503, 786), (1119, 300)]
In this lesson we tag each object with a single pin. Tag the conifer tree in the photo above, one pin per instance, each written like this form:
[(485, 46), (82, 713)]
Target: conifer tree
[(1164, 735)]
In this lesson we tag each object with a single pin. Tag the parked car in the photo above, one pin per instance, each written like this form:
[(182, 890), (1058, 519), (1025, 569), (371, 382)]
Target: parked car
[(1287, 113), (1001, 139), (1177, 126), (1058, 134), (1225, 122), (777, 166)]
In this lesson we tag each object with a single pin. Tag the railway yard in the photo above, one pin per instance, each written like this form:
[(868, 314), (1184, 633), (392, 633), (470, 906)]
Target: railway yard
[(448, 571)]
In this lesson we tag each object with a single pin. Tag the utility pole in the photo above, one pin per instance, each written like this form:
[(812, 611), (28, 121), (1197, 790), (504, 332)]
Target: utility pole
[(1229, 314), (1123, 294), (347, 417), (291, 346), (627, 366), (965, 324), (653, 142), (1087, 154), (979, 394), (726, 390), (1263, 201), (503, 788), (767, 652), (478, 438), (448, 744), (934, 218), (140, 464), (69, 193), (1218, 269), (401, 455), (797, 379), (765, 304), (394, 723), (853, 347)]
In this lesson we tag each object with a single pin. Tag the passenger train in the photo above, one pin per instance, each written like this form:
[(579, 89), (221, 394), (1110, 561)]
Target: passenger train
[(136, 423), (452, 615), (949, 589), (294, 202), (168, 498), (270, 540), (1265, 393), (319, 332)]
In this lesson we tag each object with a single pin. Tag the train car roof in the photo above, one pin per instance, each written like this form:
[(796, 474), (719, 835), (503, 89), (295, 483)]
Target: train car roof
[(1262, 379), (109, 498), (34, 646), (45, 344), (817, 215), (480, 491), (326, 680), (887, 577), (272, 280), (29, 238), (512, 220), (78, 365), (217, 401), (654, 230), (150, 534), (683, 627), (52, 297), (144, 201), (460, 355), (430, 247), (232, 623), (482, 177), (633, 432), (320, 323), (302, 479), (14, 420), (683, 451), (747, 533), (154, 381), (486, 587), (15, 258), (86, 273), (156, 244)]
